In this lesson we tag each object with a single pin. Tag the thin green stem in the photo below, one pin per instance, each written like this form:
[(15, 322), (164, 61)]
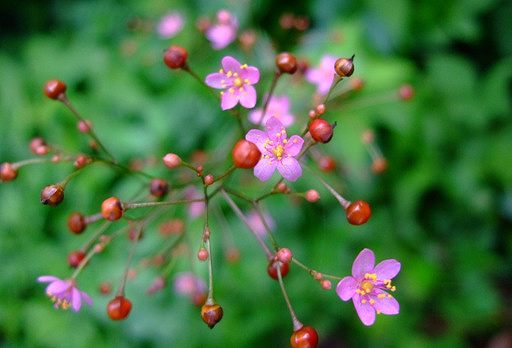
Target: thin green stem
[(127, 206), (273, 85), (297, 325), (312, 272)]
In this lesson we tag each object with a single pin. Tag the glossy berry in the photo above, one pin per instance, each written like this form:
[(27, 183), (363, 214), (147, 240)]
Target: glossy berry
[(286, 63), (344, 67), (7, 172), (158, 187), (272, 269), (52, 194), (202, 254), (75, 258), (305, 337), (211, 314), (245, 154), (55, 89), (112, 209), (76, 223), (321, 130), (119, 308), (358, 212), (284, 255), (171, 160), (175, 57)]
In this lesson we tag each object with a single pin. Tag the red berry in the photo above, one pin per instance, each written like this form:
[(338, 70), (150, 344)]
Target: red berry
[(112, 209), (379, 165), (358, 212), (321, 130), (406, 92), (211, 314), (172, 160), (7, 172), (344, 67), (175, 57), (202, 254), (54, 89), (75, 258), (52, 195), (245, 154), (119, 308), (76, 223), (327, 164), (312, 196), (159, 187), (286, 63), (209, 179), (272, 269), (305, 337)]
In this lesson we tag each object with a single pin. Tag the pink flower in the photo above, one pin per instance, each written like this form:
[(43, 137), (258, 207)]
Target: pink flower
[(368, 286), (64, 293), (195, 209), (170, 25), (323, 75), (188, 284), (223, 32), (254, 220), (236, 80), (276, 151), (278, 107)]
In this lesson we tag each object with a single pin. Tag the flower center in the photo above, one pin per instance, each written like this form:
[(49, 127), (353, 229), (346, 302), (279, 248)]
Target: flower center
[(278, 151), (238, 82), (367, 286)]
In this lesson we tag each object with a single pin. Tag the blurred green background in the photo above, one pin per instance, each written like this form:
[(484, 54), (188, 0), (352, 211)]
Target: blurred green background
[(443, 207)]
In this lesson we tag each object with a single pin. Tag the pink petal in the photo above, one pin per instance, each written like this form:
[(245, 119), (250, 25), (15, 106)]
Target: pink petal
[(264, 169), (230, 64), (255, 116), (365, 311), (216, 80), (289, 168), (76, 299), (248, 97), (313, 75), (228, 100), (47, 279), (346, 288), (294, 145), (387, 269), (258, 137), (86, 298), (287, 119), (221, 36), (363, 264), (56, 287), (387, 305), (250, 73), (274, 127)]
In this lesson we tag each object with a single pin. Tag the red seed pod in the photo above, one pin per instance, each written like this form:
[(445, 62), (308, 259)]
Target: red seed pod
[(159, 187), (327, 164), (379, 165), (312, 196), (358, 212), (119, 308), (55, 89), (175, 57), (7, 172), (39, 147), (406, 92), (81, 161), (209, 179), (75, 258), (344, 67), (286, 63), (321, 130), (171, 160), (320, 109), (272, 269), (202, 254), (245, 154), (76, 223), (284, 255), (112, 209), (52, 195), (105, 288), (211, 314), (84, 126), (305, 337), (282, 187)]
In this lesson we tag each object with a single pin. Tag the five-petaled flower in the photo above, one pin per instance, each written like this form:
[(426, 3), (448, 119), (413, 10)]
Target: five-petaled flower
[(236, 80), (368, 286), (322, 76), (277, 151), (278, 107), (223, 32), (64, 293)]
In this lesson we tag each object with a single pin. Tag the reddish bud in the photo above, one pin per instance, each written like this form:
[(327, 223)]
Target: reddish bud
[(344, 67), (84, 126), (7, 172), (245, 154), (379, 165), (119, 308), (357, 83), (175, 57), (284, 255), (75, 258), (211, 314), (321, 130), (406, 92), (286, 63), (76, 223), (105, 288), (272, 269), (326, 284), (158, 187), (305, 337), (312, 196), (52, 195), (368, 136), (320, 109), (55, 89), (39, 147), (81, 161), (358, 212), (112, 209), (202, 254), (327, 164), (172, 160), (282, 187), (208, 180)]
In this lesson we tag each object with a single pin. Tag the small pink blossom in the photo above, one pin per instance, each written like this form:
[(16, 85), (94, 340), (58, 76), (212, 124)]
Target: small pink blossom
[(170, 25), (223, 32), (277, 151), (64, 293), (368, 286), (189, 284), (236, 80), (322, 76), (278, 107), (257, 226), (195, 209)]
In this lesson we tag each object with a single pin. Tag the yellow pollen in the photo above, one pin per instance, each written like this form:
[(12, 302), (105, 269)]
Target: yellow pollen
[(241, 89), (372, 301), (229, 74), (222, 93), (235, 74), (221, 71), (381, 296), (367, 286), (378, 312), (238, 82), (243, 66), (246, 81), (285, 141), (278, 135), (231, 90), (363, 301), (278, 151), (371, 276)]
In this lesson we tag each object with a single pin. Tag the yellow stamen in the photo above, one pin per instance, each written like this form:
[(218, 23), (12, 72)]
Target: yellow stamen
[(229, 74), (367, 286), (278, 151), (243, 66)]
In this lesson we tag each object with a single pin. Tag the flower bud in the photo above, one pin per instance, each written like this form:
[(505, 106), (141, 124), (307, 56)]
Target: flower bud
[(406, 92), (326, 164), (175, 57), (55, 89), (321, 130), (159, 187), (344, 67), (209, 179), (52, 195), (171, 160), (39, 147), (76, 223), (112, 209), (202, 254), (7, 172), (75, 258), (119, 308), (312, 196), (211, 314), (379, 165), (245, 154), (358, 212), (284, 255), (286, 63)]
